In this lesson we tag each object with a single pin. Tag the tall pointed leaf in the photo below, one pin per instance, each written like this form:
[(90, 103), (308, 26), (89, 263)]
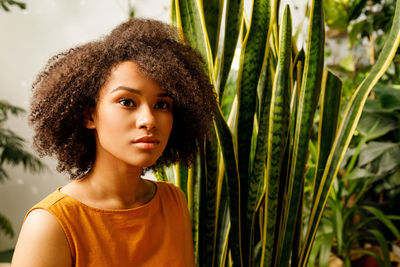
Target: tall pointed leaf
[(257, 174), (223, 225), (209, 203), (249, 72), (212, 16), (277, 135), (194, 180), (233, 186), (190, 19), (172, 14), (330, 110), (233, 20)]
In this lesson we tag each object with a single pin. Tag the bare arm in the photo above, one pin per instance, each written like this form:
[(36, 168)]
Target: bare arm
[(42, 242)]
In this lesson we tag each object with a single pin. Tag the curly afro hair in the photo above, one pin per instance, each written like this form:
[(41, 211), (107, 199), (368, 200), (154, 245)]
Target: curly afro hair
[(69, 85)]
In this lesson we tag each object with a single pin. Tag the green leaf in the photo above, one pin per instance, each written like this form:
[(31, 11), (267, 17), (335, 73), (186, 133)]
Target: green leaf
[(355, 31), (7, 108), (209, 203), (252, 58), (278, 126), (359, 173), (233, 185), (190, 18), (233, 20), (382, 125), (12, 152), (212, 16), (336, 14), (356, 8), (6, 226), (5, 4), (330, 109), (196, 172), (223, 226), (390, 160), (338, 223), (389, 97), (256, 183), (374, 106), (326, 246), (384, 219), (173, 14), (373, 150), (182, 172)]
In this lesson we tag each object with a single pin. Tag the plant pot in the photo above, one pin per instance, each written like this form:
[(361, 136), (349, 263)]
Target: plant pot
[(365, 261)]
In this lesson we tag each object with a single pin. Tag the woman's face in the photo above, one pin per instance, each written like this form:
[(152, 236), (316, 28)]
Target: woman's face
[(133, 118)]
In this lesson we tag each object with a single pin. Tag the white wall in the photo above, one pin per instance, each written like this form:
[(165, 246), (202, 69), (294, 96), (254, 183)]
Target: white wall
[(27, 39)]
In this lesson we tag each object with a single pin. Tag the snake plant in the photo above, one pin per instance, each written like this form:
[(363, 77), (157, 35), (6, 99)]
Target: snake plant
[(245, 190)]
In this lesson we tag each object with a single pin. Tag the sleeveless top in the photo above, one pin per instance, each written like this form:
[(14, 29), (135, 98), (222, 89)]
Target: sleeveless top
[(156, 234)]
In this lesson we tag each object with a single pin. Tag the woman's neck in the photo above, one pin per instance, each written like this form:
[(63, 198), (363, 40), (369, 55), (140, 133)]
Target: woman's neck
[(109, 186)]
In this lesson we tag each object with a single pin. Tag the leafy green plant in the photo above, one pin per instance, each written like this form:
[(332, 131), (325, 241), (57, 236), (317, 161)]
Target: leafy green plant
[(245, 191), (13, 153), (379, 154), (347, 223)]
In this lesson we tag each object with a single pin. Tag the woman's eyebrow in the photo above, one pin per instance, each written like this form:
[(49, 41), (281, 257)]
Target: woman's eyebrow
[(135, 91), (124, 88)]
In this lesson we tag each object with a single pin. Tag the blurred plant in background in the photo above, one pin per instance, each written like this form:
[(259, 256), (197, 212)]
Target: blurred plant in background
[(6, 4), (12, 151)]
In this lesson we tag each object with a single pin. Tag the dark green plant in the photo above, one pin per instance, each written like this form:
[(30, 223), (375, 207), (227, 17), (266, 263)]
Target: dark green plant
[(246, 189), (13, 153)]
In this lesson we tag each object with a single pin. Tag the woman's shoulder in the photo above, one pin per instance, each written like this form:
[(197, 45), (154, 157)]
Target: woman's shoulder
[(167, 186), (41, 242), (171, 191)]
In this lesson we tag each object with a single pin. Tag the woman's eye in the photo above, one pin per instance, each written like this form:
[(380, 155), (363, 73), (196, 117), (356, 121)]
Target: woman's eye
[(127, 102), (162, 105)]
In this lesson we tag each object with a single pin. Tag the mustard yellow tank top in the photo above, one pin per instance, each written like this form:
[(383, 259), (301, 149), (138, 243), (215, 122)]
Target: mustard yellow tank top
[(155, 234)]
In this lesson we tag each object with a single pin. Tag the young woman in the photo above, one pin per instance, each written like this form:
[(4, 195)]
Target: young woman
[(135, 99)]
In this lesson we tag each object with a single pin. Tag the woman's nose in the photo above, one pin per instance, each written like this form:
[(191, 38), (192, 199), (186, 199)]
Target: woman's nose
[(146, 119)]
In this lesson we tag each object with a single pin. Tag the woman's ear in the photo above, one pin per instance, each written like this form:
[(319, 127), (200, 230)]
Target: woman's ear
[(88, 119)]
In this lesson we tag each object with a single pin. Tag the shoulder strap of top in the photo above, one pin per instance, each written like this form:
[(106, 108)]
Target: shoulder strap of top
[(48, 201)]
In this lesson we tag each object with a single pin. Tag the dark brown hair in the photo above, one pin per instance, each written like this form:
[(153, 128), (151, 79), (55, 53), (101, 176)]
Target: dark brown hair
[(69, 84)]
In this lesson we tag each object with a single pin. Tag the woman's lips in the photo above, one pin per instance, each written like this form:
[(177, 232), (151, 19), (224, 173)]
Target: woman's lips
[(146, 142)]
